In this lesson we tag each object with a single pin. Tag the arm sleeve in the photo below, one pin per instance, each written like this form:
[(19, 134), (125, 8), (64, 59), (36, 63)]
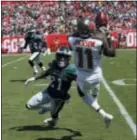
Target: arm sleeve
[(108, 48), (44, 74), (47, 72), (26, 42)]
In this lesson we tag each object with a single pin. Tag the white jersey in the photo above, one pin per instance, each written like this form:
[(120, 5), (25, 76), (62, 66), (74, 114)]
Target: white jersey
[(87, 53)]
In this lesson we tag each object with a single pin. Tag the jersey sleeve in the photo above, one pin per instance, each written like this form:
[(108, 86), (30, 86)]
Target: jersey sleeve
[(70, 72), (26, 38), (72, 41)]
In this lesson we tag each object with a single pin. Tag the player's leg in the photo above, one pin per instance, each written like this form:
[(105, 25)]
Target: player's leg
[(89, 91), (40, 63), (39, 100), (31, 60), (56, 107)]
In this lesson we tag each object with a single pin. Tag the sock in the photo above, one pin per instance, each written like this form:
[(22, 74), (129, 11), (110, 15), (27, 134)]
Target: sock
[(102, 113), (97, 108)]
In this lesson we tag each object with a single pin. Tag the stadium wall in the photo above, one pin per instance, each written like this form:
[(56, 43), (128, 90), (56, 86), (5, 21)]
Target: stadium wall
[(11, 44)]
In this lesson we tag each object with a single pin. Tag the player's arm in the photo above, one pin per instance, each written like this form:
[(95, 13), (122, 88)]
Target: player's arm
[(20, 49), (42, 75), (26, 44), (72, 38), (108, 48), (44, 47)]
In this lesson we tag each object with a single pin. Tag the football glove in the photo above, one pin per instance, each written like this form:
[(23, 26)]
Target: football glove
[(104, 30)]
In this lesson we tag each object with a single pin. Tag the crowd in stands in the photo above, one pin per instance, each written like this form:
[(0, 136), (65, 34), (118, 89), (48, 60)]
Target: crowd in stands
[(50, 17)]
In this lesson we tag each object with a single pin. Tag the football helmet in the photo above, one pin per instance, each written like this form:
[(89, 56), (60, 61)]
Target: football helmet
[(30, 34), (63, 56), (85, 26), (101, 19)]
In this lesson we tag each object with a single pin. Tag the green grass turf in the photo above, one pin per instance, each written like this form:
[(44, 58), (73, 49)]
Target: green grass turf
[(77, 121)]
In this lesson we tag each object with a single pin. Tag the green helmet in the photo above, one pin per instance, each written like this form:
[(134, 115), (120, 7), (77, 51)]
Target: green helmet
[(63, 56)]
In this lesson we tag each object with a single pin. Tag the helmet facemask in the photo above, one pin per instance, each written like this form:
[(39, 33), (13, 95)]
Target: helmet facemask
[(83, 27), (62, 60), (63, 56)]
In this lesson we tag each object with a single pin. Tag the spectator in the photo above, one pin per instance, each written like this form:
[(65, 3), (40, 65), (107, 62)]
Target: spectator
[(50, 17)]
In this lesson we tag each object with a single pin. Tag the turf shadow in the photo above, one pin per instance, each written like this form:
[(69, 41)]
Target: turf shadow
[(73, 133), (18, 80)]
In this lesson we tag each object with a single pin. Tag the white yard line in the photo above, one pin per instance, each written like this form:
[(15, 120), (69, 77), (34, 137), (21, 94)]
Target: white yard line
[(121, 107), (11, 62)]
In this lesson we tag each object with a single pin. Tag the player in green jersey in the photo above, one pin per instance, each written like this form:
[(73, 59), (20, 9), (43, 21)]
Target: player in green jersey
[(52, 99), (36, 45)]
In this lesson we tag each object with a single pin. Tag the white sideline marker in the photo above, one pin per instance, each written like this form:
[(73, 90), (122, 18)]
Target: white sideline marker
[(11, 62), (121, 107)]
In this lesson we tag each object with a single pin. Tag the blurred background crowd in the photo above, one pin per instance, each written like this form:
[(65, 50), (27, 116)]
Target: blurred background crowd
[(59, 17)]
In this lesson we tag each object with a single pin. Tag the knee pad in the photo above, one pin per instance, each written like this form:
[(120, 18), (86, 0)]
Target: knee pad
[(31, 63)]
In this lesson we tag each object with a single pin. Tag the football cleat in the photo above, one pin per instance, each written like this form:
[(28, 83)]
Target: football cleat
[(108, 119), (50, 122)]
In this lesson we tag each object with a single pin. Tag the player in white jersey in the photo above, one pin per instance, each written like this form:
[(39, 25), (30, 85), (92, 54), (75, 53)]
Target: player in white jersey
[(87, 47)]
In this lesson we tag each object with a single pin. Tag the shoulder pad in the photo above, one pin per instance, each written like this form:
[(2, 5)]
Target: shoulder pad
[(71, 68)]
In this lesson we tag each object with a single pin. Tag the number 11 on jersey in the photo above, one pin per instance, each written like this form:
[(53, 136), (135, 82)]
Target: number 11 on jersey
[(83, 58)]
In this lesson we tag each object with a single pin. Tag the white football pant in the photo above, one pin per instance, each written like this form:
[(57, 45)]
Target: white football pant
[(89, 84), (42, 99)]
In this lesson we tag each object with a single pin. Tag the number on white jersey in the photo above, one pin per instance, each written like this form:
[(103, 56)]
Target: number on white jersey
[(84, 58)]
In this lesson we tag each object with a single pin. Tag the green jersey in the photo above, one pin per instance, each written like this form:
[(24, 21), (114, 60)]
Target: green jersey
[(35, 43), (61, 80)]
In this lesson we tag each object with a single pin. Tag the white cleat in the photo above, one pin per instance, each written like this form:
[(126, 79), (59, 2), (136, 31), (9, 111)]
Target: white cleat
[(108, 119), (50, 122)]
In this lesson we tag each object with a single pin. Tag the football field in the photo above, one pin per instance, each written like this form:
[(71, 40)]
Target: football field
[(78, 121)]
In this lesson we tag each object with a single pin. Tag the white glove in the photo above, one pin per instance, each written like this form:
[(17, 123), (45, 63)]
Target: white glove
[(29, 80), (104, 30)]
